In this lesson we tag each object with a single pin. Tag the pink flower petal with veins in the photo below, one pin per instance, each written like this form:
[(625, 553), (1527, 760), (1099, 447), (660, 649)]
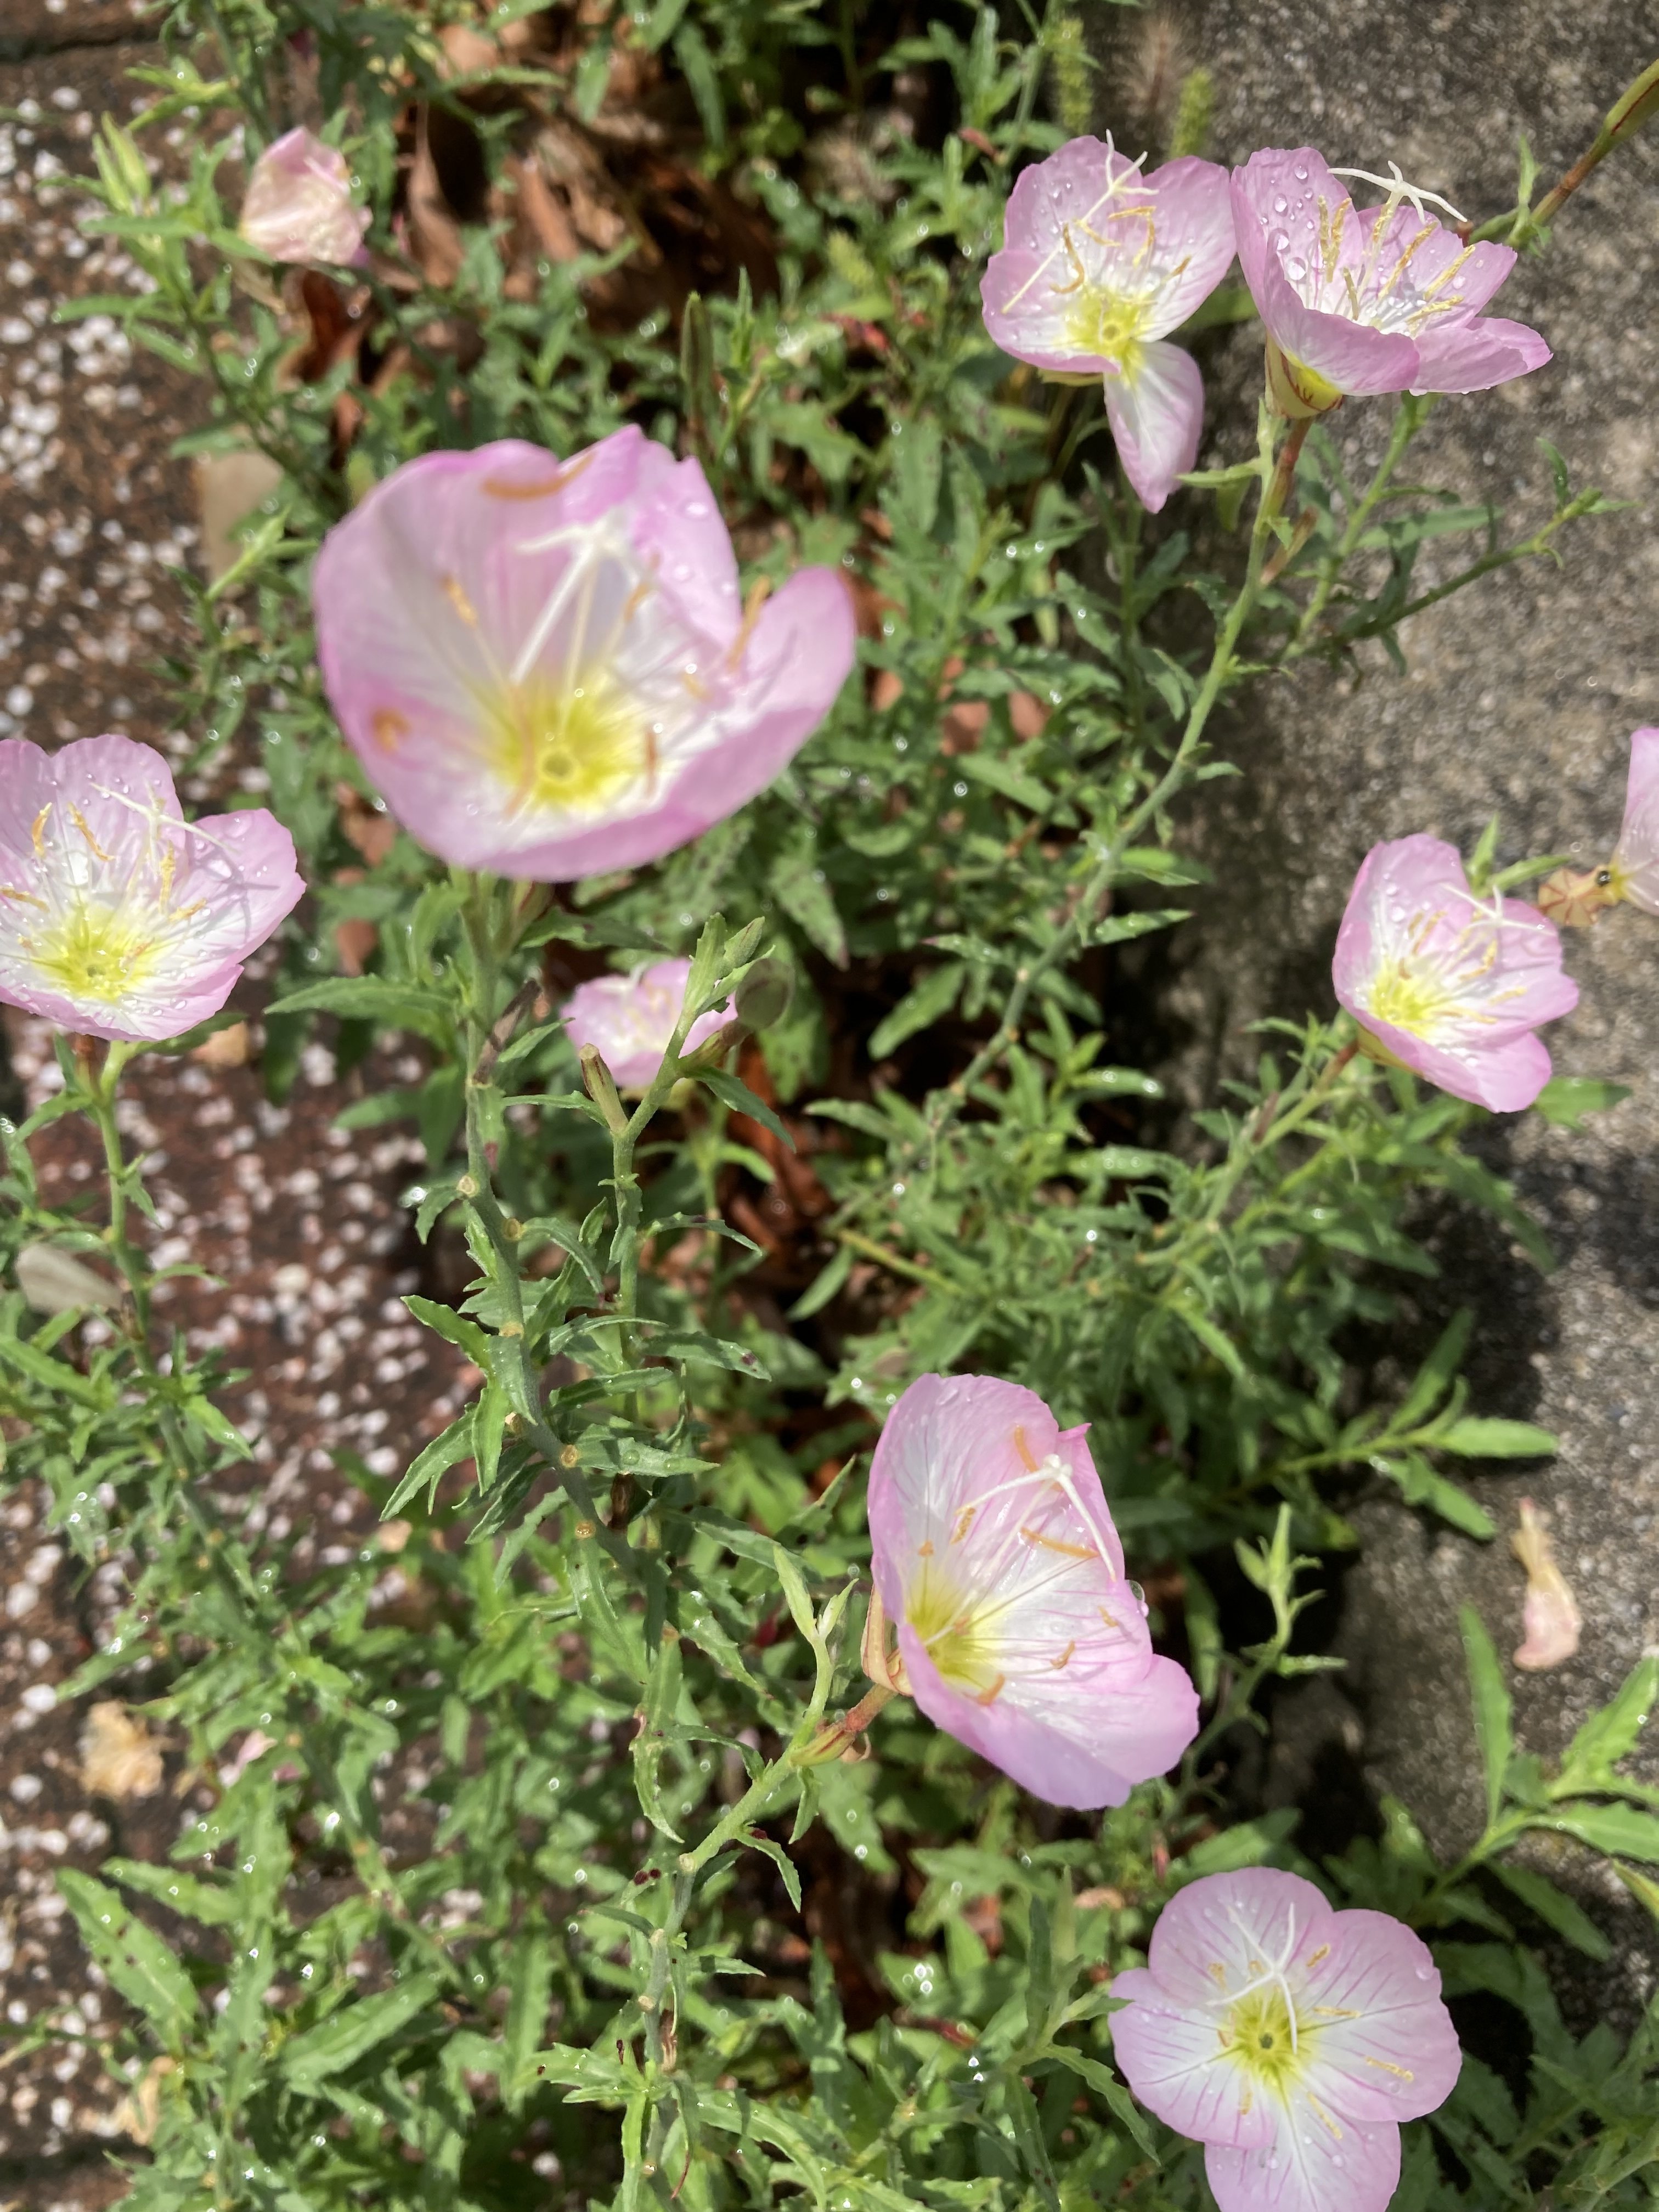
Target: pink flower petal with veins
[(117, 918), (1289, 2039), (1451, 985), (544, 666), (1098, 264), (1369, 300), (631, 1019), (1636, 857), (996, 1556)]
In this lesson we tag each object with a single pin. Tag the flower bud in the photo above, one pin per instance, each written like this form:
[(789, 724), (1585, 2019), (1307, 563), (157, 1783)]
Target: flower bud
[(763, 997), (599, 1087)]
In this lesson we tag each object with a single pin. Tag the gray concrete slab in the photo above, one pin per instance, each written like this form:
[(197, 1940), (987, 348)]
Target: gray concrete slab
[(1520, 698)]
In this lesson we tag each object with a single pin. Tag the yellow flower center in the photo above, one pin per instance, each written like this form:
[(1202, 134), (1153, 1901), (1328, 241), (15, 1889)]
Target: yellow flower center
[(940, 1612), (1110, 324), (569, 749), (97, 952), (1260, 2040), (1415, 1000)]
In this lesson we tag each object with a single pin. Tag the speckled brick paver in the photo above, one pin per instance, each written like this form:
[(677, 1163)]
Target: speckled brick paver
[(298, 1223)]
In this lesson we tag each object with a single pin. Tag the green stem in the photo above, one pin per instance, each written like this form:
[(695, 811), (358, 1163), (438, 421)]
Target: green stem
[(1278, 474), (1409, 418)]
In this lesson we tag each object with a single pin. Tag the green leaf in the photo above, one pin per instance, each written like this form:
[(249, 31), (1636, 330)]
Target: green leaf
[(215, 1904), (1620, 1830), (1475, 1438), (922, 1006), (818, 1294), (455, 1328), (530, 1987), (1491, 1706), (1565, 1099), (318, 2054), (1610, 1734), (1106, 2085), (368, 999), (732, 1091), (133, 1957), (799, 884), (1554, 1908)]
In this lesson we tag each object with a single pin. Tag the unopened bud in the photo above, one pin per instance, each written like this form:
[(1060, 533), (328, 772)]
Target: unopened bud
[(602, 1090), (1636, 105), (763, 998)]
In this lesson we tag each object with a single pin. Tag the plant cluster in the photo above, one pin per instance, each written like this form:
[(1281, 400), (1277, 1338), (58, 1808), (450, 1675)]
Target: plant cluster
[(770, 703)]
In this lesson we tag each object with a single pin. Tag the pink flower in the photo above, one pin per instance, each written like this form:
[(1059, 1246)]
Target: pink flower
[(544, 666), (997, 1559), (117, 917), (1289, 2040), (1370, 300), (1098, 262), (1451, 985), (1635, 856), (298, 205), (631, 1019)]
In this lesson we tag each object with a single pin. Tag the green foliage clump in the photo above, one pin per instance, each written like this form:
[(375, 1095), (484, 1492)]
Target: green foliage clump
[(632, 1597)]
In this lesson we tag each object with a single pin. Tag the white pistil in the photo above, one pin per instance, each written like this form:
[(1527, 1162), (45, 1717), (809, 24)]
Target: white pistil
[(1397, 190)]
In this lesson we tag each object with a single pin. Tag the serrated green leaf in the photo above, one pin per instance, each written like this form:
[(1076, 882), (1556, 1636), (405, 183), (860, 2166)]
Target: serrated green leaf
[(1554, 1908), (317, 2054), (1610, 1733), (1491, 1705), (136, 1960)]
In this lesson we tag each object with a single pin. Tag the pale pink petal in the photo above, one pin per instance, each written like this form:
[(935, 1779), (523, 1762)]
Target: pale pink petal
[(1211, 1934), (1636, 855), (1474, 356), (1398, 2057), (1352, 356), (995, 1556), (1308, 2167), (1156, 408), (1275, 200), (1173, 2059), (541, 665), (116, 918), (1550, 1615), (298, 205), (1087, 236), (1123, 1718), (1504, 1079), (1452, 986), (631, 1018)]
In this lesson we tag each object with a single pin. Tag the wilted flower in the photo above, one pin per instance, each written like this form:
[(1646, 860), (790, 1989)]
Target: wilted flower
[(544, 666), (631, 1019), (1384, 299), (1451, 985), (1288, 2038), (997, 1559), (1099, 263), (298, 205), (119, 1757), (116, 916), (1549, 1615)]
